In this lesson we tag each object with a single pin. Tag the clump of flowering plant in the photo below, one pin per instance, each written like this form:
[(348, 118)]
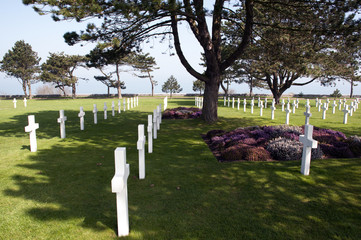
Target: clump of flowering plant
[(279, 143), (182, 113)]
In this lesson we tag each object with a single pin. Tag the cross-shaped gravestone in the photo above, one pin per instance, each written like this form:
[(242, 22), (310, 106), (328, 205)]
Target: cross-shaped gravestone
[(288, 101), (288, 111), (351, 109), (265, 102), (120, 187), (297, 102), (307, 114), (62, 120), (232, 102), (345, 113), (15, 101), (238, 102), (128, 103), (25, 102), (308, 144), (259, 101), (150, 133), (138, 100), (324, 109), (327, 103), (344, 102), (334, 105), (317, 102), (201, 106), (141, 151), (155, 124), (119, 106), (31, 128), (81, 115), (273, 108), (244, 105), (124, 104), (131, 103), (307, 103), (261, 108), (294, 106), (165, 103), (105, 108), (160, 114), (224, 100), (283, 105), (229, 101), (113, 110), (95, 112), (339, 104), (319, 105), (252, 104)]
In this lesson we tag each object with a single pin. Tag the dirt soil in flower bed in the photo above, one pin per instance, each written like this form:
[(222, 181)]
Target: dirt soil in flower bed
[(182, 113), (278, 143)]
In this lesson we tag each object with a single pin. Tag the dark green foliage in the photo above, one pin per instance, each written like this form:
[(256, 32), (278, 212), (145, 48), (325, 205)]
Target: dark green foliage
[(22, 63), (198, 85), (354, 143), (336, 94), (171, 86), (284, 149)]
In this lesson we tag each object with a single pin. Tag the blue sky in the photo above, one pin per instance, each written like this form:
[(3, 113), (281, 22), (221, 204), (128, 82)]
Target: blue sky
[(20, 22)]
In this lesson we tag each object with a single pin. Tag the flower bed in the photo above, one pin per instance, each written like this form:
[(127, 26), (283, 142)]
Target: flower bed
[(182, 113), (280, 143)]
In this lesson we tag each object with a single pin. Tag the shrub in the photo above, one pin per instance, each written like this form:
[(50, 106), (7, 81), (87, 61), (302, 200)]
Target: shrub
[(182, 113), (354, 143), (245, 152), (284, 149), (336, 94)]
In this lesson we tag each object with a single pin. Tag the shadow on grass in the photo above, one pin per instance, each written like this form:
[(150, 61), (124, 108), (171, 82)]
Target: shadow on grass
[(187, 194)]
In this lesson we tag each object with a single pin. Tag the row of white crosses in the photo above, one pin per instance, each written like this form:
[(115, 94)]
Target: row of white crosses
[(198, 102), (25, 102), (119, 181)]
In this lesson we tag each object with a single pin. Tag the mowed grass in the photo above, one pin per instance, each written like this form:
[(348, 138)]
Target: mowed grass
[(63, 190)]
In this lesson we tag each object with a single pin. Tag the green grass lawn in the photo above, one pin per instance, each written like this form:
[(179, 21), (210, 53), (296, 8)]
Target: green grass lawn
[(63, 190)]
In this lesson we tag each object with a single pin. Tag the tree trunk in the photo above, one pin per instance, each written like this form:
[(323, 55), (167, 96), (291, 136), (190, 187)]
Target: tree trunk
[(251, 87), (73, 90), (152, 88), (119, 91), (29, 87), (108, 91), (24, 89), (351, 92), (210, 103)]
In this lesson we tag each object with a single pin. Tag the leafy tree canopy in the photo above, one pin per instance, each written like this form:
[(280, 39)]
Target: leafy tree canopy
[(171, 86)]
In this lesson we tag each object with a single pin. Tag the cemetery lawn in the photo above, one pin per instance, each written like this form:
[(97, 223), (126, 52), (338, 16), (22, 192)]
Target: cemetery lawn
[(62, 191)]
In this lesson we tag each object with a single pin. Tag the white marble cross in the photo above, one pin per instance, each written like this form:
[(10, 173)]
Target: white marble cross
[(339, 104), (283, 105), (138, 101), (229, 101), (319, 105), (120, 187), (238, 102), (294, 106), (25, 102), (265, 103), (328, 102), (261, 108), (259, 101), (124, 104), (95, 112), (119, 106), (324, 109), (15, 101), (105, 108), (308, 103), (225, 100), (141, 150), (201, 103), (31, 128), (288, 111), (252, 104), (308, 144), (81, 115), (334, 105), (297, 102), (62, 120), (113, 110), (244, 105), (317, 102), (273, 108), (155, 124), (165, 103), (232, 102), (351, 109), (150, 133), (307, 114), (159, 115), (344, 102), (128, 103), (131, 103), (346, 112)]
